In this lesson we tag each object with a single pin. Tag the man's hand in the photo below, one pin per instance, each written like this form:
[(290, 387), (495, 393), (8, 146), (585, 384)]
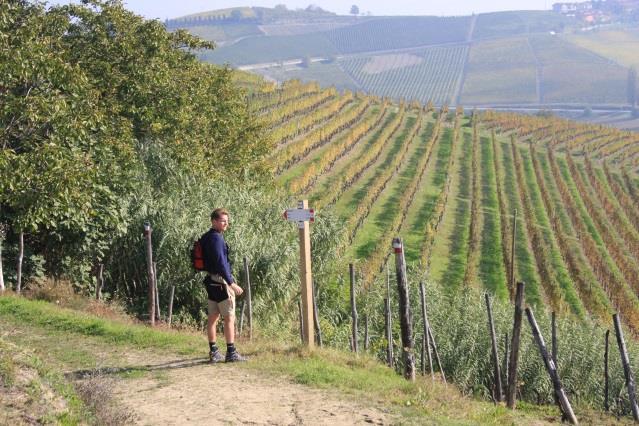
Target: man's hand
[(236, 289)]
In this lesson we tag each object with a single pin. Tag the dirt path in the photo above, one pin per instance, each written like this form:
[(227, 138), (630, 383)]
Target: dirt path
[(190, 391), (170, 389)]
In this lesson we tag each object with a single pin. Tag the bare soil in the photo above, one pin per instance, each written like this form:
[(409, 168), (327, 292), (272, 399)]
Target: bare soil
[(192, 391)]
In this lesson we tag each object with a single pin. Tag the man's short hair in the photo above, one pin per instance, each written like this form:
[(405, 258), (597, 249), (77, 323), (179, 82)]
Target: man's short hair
[(218, 213)]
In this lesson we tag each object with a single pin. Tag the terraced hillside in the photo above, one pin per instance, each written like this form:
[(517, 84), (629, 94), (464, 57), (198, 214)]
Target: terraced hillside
[(453, 185), (517, 58)]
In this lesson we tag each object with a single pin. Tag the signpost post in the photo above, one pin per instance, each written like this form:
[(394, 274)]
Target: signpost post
[(303, 215)]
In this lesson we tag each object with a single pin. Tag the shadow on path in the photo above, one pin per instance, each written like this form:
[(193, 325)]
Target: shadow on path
[(171, 365)]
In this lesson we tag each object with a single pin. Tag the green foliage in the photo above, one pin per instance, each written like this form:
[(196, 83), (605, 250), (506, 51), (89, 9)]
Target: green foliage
[(93, 99)]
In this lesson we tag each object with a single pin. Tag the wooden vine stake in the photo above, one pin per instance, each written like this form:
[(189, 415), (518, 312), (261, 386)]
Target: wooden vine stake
[(560, 395), (150, 274), (497, 393), (19, 266), (606, 376), (630, 380), (248, 297), (389, 335), (318, 329), (351, 271), (425, 339), (513, 361), (408, 354), (100, 282)]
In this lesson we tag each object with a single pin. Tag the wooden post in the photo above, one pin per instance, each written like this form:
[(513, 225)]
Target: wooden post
[(390, 316), (241, 321), (560, 395), (514, 347), (553, 327), (389, 337), (171, 305), (426, 326), (1, 273), (100, 282), (351, 271), (504, 367), (19, 266), (496, 373), (299, 310), (434, 345), (511, 278), (155, 289), (149, 270), (606, 376), (404, 310), (630, 380), (366, 338), (423, 355), (318, 329), (247, 299), (306, 278)]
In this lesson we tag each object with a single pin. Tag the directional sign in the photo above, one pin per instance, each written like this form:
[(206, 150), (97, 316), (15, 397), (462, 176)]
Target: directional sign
[(300, 216)]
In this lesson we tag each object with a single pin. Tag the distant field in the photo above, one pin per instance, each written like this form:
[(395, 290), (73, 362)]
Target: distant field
[(500, 71), (574, 74), (431, 74), (619, 46), (399, 32), (300, 28), (272, 49), (222, 33), (506, 24), (328, 74)]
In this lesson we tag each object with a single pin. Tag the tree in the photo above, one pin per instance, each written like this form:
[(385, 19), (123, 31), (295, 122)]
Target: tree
[(236, 15), (631, 88), (354, 10), (99, 108)]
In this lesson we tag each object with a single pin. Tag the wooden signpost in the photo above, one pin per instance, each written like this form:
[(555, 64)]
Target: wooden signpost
[(303, 215)]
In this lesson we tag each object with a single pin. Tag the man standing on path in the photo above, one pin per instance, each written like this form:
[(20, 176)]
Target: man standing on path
[(220, 287)]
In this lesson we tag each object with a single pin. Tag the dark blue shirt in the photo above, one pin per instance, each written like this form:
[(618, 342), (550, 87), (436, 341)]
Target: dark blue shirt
[(216, 255)]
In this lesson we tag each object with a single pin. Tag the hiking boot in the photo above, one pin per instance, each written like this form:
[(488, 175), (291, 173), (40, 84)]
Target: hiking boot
[(215, 357), (235, 357)]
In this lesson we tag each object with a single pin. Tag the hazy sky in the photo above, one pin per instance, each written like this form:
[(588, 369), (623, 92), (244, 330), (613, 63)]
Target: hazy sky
[(170, 8)]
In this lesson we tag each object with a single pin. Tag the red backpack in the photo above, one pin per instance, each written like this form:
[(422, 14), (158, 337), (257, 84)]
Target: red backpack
[(197, 256)]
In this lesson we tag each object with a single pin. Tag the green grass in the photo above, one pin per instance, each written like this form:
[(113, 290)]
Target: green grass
[(566, 288), (491, 265), (525, 267), (386, 208), (457, 243), (351, 198), (413, 229)]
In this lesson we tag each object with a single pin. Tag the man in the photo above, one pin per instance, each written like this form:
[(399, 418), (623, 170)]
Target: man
[(220, 287)]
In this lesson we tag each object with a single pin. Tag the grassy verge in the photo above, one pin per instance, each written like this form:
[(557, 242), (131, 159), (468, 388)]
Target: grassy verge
[(525, 269), (491, 266), (360, 377)]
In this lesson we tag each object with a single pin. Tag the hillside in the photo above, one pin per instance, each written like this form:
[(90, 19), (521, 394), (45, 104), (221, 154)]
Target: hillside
[(449, 183), (506, 58), (118, 142)]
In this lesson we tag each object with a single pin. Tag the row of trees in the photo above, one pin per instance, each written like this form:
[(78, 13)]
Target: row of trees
[(107, 121)]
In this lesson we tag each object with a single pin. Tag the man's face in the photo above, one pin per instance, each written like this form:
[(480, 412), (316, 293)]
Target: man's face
[(221, 224)]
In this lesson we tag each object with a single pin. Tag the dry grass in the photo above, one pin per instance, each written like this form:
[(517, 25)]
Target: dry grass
[(97, 393)]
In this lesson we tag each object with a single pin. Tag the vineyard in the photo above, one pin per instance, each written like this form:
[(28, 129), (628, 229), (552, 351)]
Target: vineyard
[(453, 186)]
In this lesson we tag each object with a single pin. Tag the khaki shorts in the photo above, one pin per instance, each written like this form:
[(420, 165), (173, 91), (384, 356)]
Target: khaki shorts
[(226, 307)]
